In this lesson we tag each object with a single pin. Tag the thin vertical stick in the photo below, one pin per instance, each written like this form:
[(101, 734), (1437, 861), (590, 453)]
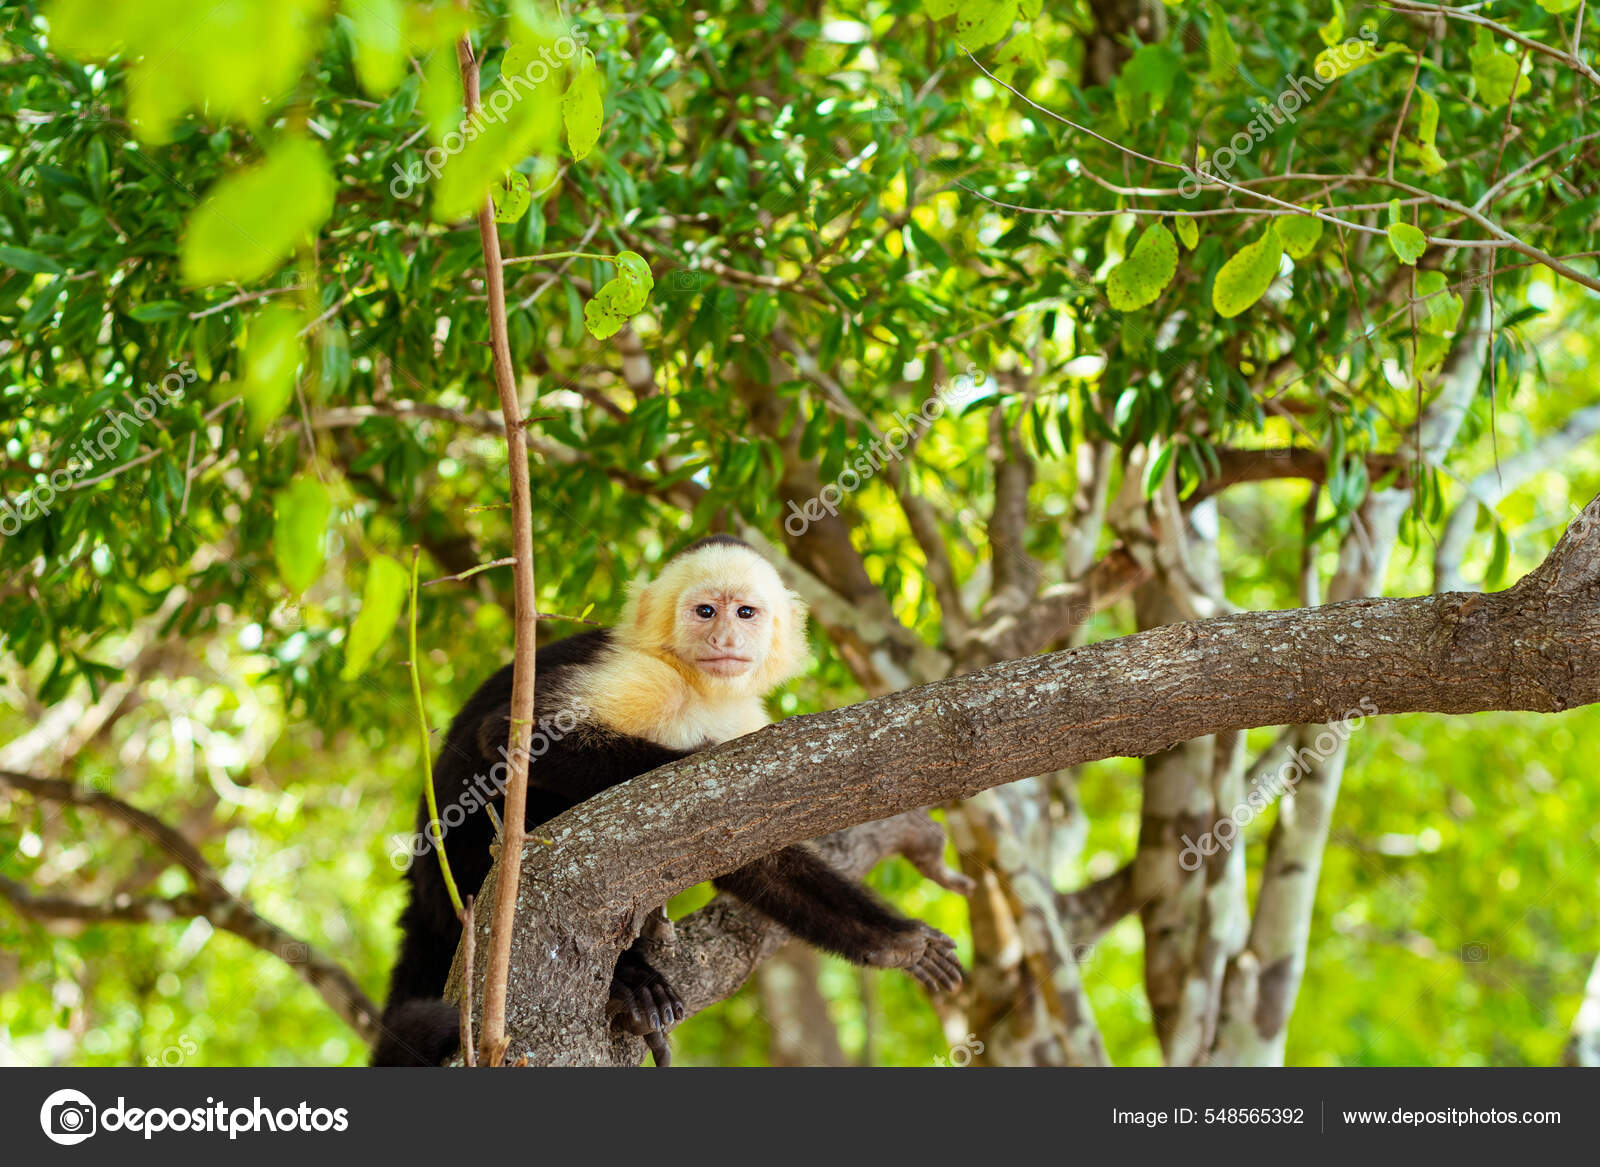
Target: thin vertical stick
[(466, 981), (492, 1038)]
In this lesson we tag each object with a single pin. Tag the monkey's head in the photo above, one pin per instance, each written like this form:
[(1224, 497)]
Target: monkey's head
[(719, 614)]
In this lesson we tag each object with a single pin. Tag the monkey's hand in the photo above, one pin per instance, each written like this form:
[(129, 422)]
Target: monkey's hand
[(643, 1003), (924, 952)]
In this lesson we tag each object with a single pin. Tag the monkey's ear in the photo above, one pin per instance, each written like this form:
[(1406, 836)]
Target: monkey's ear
[(790, 653), (630, 627)]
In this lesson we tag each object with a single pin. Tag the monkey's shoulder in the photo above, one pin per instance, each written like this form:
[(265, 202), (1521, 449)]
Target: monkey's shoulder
[(637, 694), (600, 692)]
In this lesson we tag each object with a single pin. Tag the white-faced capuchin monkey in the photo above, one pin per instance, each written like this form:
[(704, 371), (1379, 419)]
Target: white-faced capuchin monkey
[(687, 667)]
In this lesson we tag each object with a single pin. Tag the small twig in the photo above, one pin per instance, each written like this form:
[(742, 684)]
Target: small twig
[(508, 561), (1405, 107), (426, 742), (333, 309), (554, 255), (188, 476), (1499, 30), (243, 298)]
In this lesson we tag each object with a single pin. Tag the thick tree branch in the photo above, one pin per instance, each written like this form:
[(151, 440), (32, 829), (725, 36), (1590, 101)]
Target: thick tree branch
[(1535, 646), (1238, 465), (1094, 909)]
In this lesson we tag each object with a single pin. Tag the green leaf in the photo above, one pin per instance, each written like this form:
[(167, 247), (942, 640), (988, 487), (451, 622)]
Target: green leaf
[(1145, 83), (235, 60), (1556, 7), (512, 198), (1188, 232), (1438, 309), (1140, 278), (619, 297), (939, 9), (1333, 32), (440, 99), (23, 259), (1155, 470), (1221, 52), (1025, 49), (300, 519), (254, 219), (1300, 233), (1122, 413), (633, 273), (382, 599), (583, 107), (1347, 56), (272, 355), (982, 22), (157, 310), (1423, 151), (1407, 241), (1247, 275), (97, 164), (378, 42), (1496, 73)]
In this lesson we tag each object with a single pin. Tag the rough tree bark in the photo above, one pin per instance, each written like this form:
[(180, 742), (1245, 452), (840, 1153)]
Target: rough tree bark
[(1535, 646)]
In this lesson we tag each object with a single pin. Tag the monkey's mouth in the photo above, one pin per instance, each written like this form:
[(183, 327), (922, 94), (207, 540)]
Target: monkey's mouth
[(724, 664)]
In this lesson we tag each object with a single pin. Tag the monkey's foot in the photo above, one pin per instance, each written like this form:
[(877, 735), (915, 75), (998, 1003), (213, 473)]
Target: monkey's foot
[(643, 1003), (646, 1008), (927, 954)]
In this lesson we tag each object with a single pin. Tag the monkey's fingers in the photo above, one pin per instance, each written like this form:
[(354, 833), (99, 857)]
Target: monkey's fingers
[(947, 968), (659, 1049), (632, 1009), (941, 976), (937, 966), (668, 1006)]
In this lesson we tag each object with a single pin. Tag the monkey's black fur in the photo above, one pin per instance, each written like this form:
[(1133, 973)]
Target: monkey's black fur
[(795, 886)]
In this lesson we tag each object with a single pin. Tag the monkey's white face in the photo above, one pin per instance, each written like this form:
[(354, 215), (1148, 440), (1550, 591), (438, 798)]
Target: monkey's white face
[(724, 633)]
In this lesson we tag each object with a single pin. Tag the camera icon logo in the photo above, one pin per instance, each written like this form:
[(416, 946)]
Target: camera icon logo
[(68, 1117)]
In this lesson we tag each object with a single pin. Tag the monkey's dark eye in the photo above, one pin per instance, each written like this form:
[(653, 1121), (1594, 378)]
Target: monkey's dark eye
[(705, 611), (746, 612)]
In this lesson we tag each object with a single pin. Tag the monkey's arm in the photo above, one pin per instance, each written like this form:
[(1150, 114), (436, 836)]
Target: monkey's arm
[(797, 888)]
